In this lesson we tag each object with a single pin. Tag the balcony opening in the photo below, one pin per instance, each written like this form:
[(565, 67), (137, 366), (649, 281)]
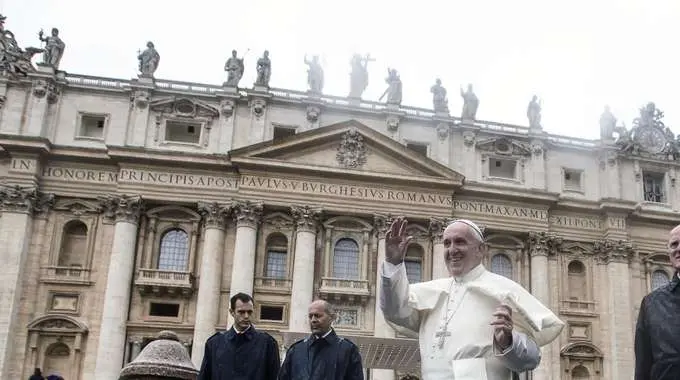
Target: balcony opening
[(653, 186), (271, 313), (418, 148), (182, 132), (502, 168), (158, 309), (92, 126), (572, 180), (283, 132)]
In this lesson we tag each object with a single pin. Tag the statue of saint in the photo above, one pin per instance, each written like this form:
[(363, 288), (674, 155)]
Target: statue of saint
[(534, 113), (314, 75), (235, 68), (393, 90), (148, 60), (440, 102), (470, 104), (359, 76), (54, 48), (14, 60), (264, 70), (607, 124)]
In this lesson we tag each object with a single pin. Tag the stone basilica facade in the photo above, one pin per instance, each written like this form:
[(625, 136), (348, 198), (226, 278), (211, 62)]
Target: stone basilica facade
[(133, 206)]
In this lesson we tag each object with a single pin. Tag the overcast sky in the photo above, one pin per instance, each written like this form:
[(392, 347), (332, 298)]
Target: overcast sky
[(576, 55)]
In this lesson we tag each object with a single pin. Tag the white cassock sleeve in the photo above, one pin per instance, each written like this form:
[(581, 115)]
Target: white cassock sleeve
[(394, 295), (523, 355)]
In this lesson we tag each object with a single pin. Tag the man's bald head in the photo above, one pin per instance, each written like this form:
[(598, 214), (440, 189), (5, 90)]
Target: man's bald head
[(674, 247), (321, 316)]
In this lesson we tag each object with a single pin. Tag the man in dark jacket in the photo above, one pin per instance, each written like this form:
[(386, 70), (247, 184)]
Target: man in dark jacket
[(242, 352), (323, 355), (657, 335)]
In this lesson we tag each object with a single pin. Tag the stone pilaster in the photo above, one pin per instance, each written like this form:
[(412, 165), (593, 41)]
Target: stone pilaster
[(616, 256), (436, 230), (442, 151), (125, 211), (610, 183), (139, 124), (381, 329), (17, 206), (258, 100), (302, 291), (227, 120), (46, 89), (538, 165), (209, 281), (541, 245), (247, 216)]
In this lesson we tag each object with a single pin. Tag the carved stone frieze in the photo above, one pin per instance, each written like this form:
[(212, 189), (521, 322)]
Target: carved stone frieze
[(649, 137), (140, 99), (443, 130), (214, 214), (392, 123), (469, 138), (184, 107), (227, 107), (78, 207), (436, 228), (313, 113), (44, 87), (306, 218), (247, 213), (504, 146), (257, 107), (382, 223), (28, 200), (608, 250), (58, 324), (352, 150), (122, 208), (544, 244)]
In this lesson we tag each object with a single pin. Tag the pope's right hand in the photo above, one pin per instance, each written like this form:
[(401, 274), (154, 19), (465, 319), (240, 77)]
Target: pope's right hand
[(396, 241)]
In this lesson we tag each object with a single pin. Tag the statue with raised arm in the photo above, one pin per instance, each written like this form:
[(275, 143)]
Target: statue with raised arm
[(54, 48), (264, 70), (607, 124), (534, 113), (393, 90), (359, 75), (148, 60), (314, 75), (470, 104), (235, 68), (440, 102), (13, 59)]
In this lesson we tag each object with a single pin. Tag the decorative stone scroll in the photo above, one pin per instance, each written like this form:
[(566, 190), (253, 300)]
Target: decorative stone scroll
[(544, 244), (122, 208), (20, 199), (352, 150), (247, 213), (306, 218), (49, 88), (608, 250), (214, 215)]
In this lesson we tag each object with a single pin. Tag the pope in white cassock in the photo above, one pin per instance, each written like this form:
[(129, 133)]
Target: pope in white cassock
[(474, 325)]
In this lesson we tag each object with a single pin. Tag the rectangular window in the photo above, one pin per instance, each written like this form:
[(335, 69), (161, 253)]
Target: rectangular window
[(167, 310), (572, 179), (283, 132), (653, 187), (276, 264), (418, 148), (92, 126), (413, 271), (182, 132), (502, 168), (271, 313)]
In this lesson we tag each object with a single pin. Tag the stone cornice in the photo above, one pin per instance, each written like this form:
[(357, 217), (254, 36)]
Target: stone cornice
[(381, 224), (247, 213), (306, 218), (123, 208), (543, 244), (617, 251), (28, 200), (214, 214)]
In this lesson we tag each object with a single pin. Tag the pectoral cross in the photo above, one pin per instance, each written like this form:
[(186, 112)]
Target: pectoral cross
[(442, 334)]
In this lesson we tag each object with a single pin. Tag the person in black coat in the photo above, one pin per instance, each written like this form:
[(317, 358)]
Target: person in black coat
[(323, 355), (37, 375), (242, 352)]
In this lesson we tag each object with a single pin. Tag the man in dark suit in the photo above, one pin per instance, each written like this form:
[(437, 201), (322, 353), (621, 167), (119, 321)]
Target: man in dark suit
[(242, 352), (323, 355)]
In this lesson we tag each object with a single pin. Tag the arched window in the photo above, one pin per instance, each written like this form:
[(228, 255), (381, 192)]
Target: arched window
[(580, 373), (57, 360), (659, 279), (501, 264), (346, 259), (414, 263), (277, 256), (576, 274), (73, 244), (174, 251)]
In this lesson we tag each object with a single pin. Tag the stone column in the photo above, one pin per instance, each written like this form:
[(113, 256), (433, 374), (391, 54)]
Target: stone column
[(616, 255), (209, 280), (539, 249), (113, 329), (302, 291), (17, 205), (380, 327), (247, 216), (439, 269)]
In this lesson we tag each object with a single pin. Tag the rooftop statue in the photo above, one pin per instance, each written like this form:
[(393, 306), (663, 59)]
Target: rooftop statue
[(440, 102), (650, 136), (534, 113), (359, 75), (54, 48), (14, 61), (235, 68), (393, 90), (314, 75), (148, 61), (607, 124), (470, 104), (264, 70)]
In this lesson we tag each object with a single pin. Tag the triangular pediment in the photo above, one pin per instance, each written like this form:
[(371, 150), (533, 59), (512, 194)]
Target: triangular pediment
[(350, 148), (183, 107), (504, 146)]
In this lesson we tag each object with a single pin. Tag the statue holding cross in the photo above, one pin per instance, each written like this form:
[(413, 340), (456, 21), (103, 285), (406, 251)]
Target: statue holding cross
[(359, 75)]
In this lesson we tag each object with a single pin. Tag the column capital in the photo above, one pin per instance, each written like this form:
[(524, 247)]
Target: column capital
[(436, 228), (381, 224), (27, 200), (543, 243), (617, 251), (306, 218), (123, 208), (247, 213), (214, 214)]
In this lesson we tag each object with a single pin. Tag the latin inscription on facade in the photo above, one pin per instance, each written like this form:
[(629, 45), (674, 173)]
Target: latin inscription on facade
[(578, 222), (23, 165), (493, 209)]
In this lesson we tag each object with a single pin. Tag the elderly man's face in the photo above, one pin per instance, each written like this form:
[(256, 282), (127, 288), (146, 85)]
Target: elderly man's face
[(674, 247), (462, 250)]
